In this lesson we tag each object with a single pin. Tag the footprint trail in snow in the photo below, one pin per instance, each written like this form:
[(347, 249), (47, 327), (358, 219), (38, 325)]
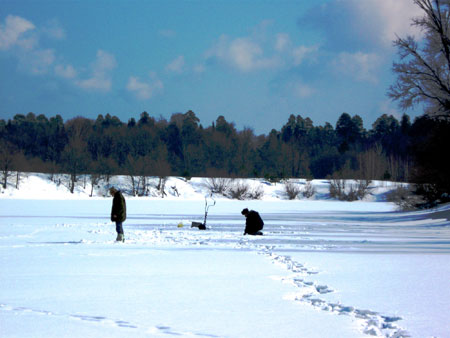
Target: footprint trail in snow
[(101, 320), (373, 323)]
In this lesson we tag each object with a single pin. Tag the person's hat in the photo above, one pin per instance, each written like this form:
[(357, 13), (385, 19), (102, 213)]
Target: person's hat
[(244, 212)]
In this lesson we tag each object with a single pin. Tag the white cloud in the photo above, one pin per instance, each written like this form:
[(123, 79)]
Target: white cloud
[(104, 61), (67, 72), (101, 78), (367, 25), (282, 42), (241, 53), (54, 30), (295, 54), (303, 91), (245, 54), (301, 52), (199, 68), (388, 18), (37, 62), (12, 32), (144, 90), (176, 65), (250, 54), (167, 33), (21, 33), (361, 66)]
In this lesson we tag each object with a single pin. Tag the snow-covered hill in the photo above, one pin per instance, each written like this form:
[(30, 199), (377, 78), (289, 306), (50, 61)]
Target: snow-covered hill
[(42, 186)]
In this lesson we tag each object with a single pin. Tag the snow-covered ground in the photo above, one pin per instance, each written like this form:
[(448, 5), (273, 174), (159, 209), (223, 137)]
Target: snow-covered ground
[(323, 268)]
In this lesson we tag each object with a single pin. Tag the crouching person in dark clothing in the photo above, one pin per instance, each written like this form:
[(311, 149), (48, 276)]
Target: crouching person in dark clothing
[(253, 223), (118, 212)]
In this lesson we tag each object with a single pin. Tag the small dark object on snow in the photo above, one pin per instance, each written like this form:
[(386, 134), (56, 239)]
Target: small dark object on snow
[(199, 225), (202, 226)]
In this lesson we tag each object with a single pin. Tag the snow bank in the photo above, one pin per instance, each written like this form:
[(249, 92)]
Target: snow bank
[(40, 186)]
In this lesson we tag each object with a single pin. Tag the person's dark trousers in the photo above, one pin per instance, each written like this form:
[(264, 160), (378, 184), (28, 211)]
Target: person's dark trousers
[(119, 230)]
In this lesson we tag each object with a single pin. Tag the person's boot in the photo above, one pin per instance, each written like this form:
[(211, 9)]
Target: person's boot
[(120, 238)]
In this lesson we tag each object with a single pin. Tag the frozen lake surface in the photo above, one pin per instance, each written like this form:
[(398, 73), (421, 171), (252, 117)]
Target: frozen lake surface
[(322, 269)]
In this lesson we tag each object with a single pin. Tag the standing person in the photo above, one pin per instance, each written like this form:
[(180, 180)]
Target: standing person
[(118, 212), (253, 223)]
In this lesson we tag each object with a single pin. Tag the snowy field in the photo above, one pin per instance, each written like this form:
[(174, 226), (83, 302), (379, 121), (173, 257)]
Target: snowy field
[(323, 268)]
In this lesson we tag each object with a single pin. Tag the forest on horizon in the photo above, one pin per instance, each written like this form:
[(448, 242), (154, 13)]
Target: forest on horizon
[(183, 147), (402, 151)]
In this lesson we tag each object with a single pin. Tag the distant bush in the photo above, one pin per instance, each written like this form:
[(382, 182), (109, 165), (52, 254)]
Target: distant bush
[(239, 191), (343, 191), (292, 190), (256, 193), (272, 178), (432, 194), (362, 188), (405, 197), (233, 188), (308, 191), (337, 188), (218, 185)]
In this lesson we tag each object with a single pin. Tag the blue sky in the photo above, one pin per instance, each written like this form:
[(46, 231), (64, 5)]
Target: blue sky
[(254, 61)]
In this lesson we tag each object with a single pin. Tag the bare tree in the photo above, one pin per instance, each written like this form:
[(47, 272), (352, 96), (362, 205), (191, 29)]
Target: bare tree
[(75, 158), (75, 155), (94, 179), (19, 161), (372, 163), (131, 169), (6, 161), (162, 185), (423, 73)]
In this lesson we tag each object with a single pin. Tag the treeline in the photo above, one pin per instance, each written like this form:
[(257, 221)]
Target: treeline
[(391, 150)]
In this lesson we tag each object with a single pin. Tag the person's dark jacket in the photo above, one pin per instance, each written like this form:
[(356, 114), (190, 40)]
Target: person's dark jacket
[(119, 208), (253, 223)]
